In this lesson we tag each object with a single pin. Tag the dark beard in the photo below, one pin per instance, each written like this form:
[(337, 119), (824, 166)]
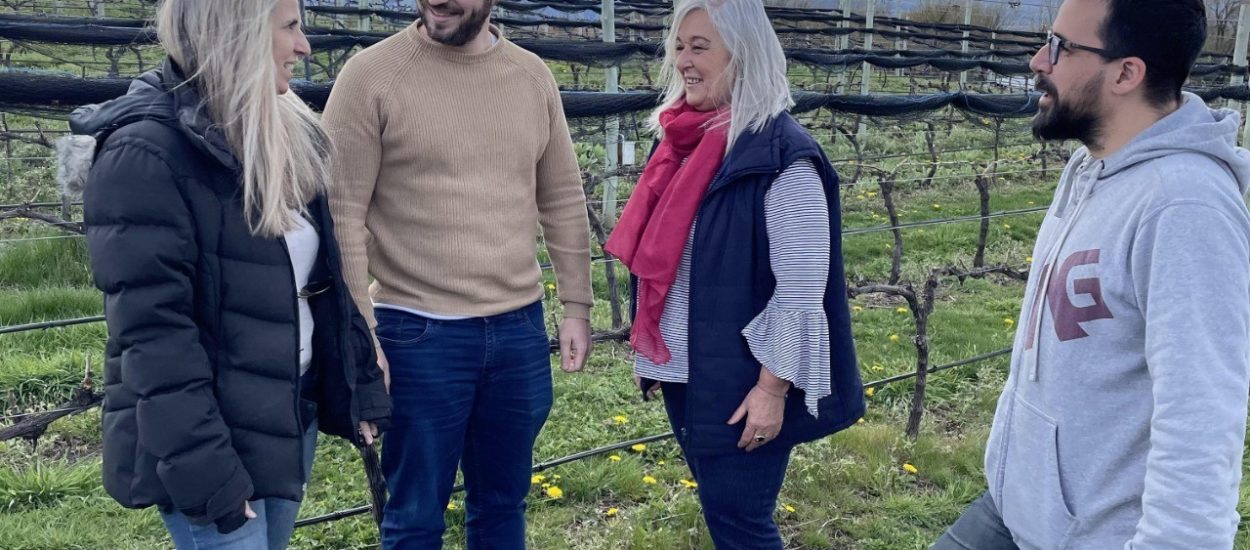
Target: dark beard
[(467, 30), (1077, 119)]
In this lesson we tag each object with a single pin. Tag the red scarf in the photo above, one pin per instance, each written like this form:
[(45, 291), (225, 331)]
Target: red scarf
[(654, 227)]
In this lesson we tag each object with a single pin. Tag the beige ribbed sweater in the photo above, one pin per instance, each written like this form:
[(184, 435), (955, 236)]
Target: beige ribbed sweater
[(445, 165)]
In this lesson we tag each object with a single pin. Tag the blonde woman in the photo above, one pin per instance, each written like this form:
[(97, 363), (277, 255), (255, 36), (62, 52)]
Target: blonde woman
[(733, 238), (231, 336)]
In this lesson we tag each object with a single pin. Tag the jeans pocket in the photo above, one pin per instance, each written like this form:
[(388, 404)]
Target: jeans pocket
[(1033, 505), (534, 314), (398, 328)]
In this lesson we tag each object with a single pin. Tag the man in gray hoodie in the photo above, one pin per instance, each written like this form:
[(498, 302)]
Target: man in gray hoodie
[(1123, 419)]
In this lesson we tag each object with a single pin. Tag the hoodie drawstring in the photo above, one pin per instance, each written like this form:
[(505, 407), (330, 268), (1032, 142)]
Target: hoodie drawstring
[(1033, 357)]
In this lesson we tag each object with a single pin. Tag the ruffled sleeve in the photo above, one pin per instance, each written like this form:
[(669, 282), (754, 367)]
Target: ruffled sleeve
[(791, 336)]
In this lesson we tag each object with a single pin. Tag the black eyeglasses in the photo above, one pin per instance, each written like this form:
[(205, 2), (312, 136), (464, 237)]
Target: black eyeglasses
[(1057, 43)]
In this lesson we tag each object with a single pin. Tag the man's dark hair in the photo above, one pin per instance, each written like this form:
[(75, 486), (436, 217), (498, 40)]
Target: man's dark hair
[(1167, 35)]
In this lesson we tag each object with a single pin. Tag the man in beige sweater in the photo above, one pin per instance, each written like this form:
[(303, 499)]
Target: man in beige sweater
[(451, 148)]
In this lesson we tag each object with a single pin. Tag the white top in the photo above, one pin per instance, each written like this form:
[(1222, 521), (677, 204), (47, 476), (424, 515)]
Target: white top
[(303, 245), (426, 314)]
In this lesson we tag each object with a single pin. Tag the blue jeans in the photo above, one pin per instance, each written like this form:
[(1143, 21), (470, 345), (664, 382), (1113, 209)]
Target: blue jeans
[(472, 393), (738, 491), (271, 529), (979, 528)]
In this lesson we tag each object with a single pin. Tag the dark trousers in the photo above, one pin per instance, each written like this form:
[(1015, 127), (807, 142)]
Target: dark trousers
[(980, 528), (472, 393), (738, 491)]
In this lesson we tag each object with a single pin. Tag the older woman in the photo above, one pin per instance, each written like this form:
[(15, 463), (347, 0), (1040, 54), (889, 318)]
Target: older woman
[(232, 337), (733, 238)]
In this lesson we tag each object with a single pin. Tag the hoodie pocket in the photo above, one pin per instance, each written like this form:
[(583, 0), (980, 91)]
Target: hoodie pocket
[(1031, 500)]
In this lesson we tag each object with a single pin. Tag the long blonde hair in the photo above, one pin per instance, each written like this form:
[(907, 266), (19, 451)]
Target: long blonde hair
[(757, 65), (225, 49)]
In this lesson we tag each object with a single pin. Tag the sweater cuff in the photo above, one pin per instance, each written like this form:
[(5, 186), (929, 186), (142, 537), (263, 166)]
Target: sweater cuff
[(574, 310)]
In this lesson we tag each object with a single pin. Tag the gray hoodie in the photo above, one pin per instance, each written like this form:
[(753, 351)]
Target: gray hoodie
[(1123, 419)]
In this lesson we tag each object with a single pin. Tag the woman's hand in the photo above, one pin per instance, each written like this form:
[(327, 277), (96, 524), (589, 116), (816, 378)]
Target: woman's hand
[(764, 409), (368, 431), (764, 413), (649, 392)]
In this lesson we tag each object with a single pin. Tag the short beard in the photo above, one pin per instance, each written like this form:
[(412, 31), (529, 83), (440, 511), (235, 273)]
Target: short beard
[(1077, 119), (466, 31)]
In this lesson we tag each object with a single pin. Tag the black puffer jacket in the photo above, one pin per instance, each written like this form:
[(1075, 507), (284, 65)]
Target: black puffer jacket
[(202, 405)]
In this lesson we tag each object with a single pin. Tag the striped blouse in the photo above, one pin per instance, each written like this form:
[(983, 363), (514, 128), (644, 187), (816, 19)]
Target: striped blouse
[(791, 336)]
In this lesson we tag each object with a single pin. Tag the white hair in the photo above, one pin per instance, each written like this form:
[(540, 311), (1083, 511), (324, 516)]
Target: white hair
[(757, 65), (225, 48)]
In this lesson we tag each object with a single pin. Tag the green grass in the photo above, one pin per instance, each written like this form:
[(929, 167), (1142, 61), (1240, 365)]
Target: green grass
[(44, 484), (52, 263), (95, 522), (47, 304)]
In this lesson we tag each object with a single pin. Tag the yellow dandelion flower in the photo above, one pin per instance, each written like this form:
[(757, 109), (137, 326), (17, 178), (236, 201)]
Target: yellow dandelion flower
[(537, 479), (1028, 259), (551, 286), (452, 506), (638, 448), (555, 492), (910, 469), (937, 207), (689, 484), (857, 309), (1009, 322), (661, 463), (861, 196), (877, 367), (546, 485), (901, 309), (860, 421), (615, 458), (620, 419), (789, 508), (611, 512), (1006, 226), (872, 193), (870, 391), (894, 337), (649, 480), (555, 477)]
